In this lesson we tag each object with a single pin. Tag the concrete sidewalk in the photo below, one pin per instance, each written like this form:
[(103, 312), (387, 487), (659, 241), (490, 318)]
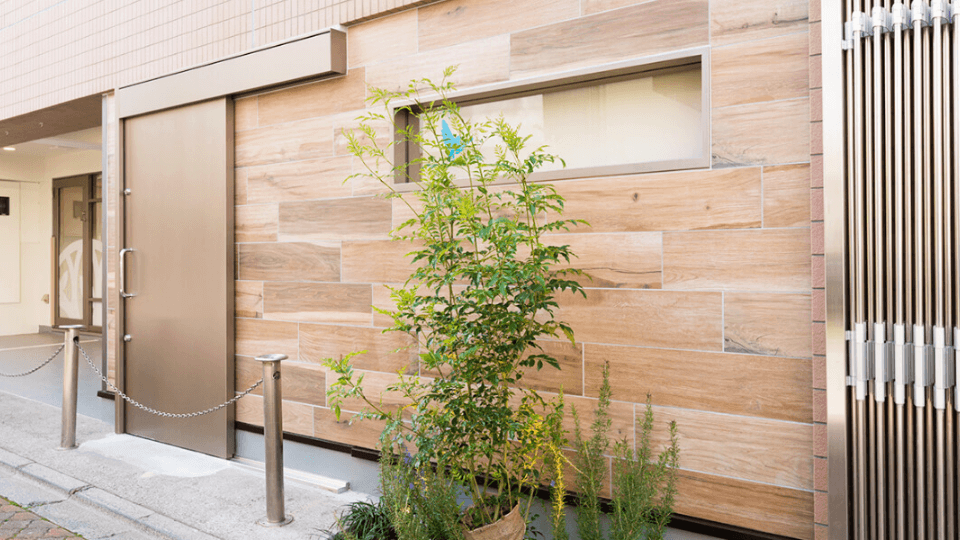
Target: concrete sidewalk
[(150, 490)]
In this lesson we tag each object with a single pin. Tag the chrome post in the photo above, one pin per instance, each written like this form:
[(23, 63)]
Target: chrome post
[(68, 422), (273, 441)]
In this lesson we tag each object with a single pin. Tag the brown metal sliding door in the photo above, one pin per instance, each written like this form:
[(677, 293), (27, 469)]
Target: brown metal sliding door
[(177, 273)]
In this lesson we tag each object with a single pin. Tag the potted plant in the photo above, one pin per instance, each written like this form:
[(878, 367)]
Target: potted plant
[(481, 294)]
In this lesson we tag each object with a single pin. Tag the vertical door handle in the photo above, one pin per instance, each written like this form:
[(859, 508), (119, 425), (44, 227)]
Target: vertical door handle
[(123, 274)]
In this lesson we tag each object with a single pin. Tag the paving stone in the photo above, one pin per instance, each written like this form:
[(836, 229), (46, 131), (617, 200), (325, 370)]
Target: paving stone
[(85, 521), (53, 478), (174, 529), (112, 503), (28, 494), (12, 460)]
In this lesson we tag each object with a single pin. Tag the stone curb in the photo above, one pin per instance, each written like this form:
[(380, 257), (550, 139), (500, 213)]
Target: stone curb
[(143, 518)]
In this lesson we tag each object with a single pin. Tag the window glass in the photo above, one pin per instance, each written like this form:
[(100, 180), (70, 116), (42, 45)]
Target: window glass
[(652, 118)]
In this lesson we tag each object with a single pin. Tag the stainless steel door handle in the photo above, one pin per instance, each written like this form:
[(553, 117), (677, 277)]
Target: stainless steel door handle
[(123, 274)]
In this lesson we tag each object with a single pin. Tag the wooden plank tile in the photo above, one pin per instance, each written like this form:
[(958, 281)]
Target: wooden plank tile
[(376, 261), (761, 260), (382, 300), (299, 180), (721, 199), (382, 39), (258, 337), (479, 62), (364, 434), (256, 223), (751, 449), (300, 261), (245, 114), (569, 377), (303, 139), (317, 302), (768, 324), (646, 29), (786, 196), (776, 510), (349, 123), (320, 341), (749, 385), (249, 299), (240, 186), (459, 21), (297, 417), (321, 98), (768, 133), (303, 383), (630, 261), (356, 218), (686, 200), (621, 417), (732, 21), (765, 70), (684, 320), (596, 6), (375, 385)]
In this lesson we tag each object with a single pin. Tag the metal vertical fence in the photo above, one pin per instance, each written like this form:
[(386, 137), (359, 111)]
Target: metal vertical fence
[(902, 188)]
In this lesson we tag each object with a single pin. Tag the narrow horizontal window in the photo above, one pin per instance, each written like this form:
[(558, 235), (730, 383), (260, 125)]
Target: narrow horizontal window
[(648, 121)]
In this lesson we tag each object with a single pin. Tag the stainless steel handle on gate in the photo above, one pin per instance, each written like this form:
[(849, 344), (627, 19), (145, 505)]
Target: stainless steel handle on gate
[(123, 274)]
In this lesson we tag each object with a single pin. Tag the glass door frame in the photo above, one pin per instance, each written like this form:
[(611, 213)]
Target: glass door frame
[(87, 182)]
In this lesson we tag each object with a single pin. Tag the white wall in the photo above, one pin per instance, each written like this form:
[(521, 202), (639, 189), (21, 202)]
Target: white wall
[(36, 229)]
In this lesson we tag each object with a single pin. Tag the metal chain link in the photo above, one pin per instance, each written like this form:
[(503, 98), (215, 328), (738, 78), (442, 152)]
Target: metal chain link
[(161, 413), (36, 369)]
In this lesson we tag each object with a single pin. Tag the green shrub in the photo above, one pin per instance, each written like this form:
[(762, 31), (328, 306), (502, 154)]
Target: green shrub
[(481, 296), (644, 483)]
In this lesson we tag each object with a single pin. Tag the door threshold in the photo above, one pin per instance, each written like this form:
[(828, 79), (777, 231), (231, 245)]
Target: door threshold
[(314, 480)]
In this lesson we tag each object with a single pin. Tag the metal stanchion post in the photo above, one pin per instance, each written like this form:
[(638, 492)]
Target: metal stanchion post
[(68, 423), (273, 441)]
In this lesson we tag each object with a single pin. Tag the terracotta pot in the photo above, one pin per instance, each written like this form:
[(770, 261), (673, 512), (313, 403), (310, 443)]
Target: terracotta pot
[(509, 527)]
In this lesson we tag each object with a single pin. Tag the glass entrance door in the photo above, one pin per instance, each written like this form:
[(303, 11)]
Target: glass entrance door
[(79, 249)]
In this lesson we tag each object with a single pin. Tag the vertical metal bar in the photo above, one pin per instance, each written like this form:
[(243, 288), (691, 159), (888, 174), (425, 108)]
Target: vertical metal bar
[(876, 250), (908, 287), (861, 293), (861, 479), (929, 471), (920, 113), (68, 422), (947, 480), (903, 371), (949, 473), (851, 239), (910, 458), (273, 441)]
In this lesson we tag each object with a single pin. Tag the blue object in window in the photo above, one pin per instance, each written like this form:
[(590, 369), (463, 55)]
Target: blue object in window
[(451, 141)]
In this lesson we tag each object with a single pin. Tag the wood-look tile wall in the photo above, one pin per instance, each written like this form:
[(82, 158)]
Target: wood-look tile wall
[(701, 291)]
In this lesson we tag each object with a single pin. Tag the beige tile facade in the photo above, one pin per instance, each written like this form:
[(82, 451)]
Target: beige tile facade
[(701, 292), (703, 284)]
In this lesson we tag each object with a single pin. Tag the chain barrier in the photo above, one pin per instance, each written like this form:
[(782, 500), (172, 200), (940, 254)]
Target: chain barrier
[(36, 369), (143, 407)]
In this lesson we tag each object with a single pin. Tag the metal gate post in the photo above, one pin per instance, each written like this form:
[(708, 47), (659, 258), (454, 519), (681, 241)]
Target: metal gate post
[(68, 422), (273, 441)]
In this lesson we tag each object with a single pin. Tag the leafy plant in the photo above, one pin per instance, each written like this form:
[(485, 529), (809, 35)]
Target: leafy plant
[(421, 501), (591, 462), (482, 293), (644, 489), (644, 484), (364, 520)]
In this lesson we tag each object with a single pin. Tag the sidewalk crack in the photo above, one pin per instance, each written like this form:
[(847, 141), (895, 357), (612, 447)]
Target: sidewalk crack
[(79, 489)]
